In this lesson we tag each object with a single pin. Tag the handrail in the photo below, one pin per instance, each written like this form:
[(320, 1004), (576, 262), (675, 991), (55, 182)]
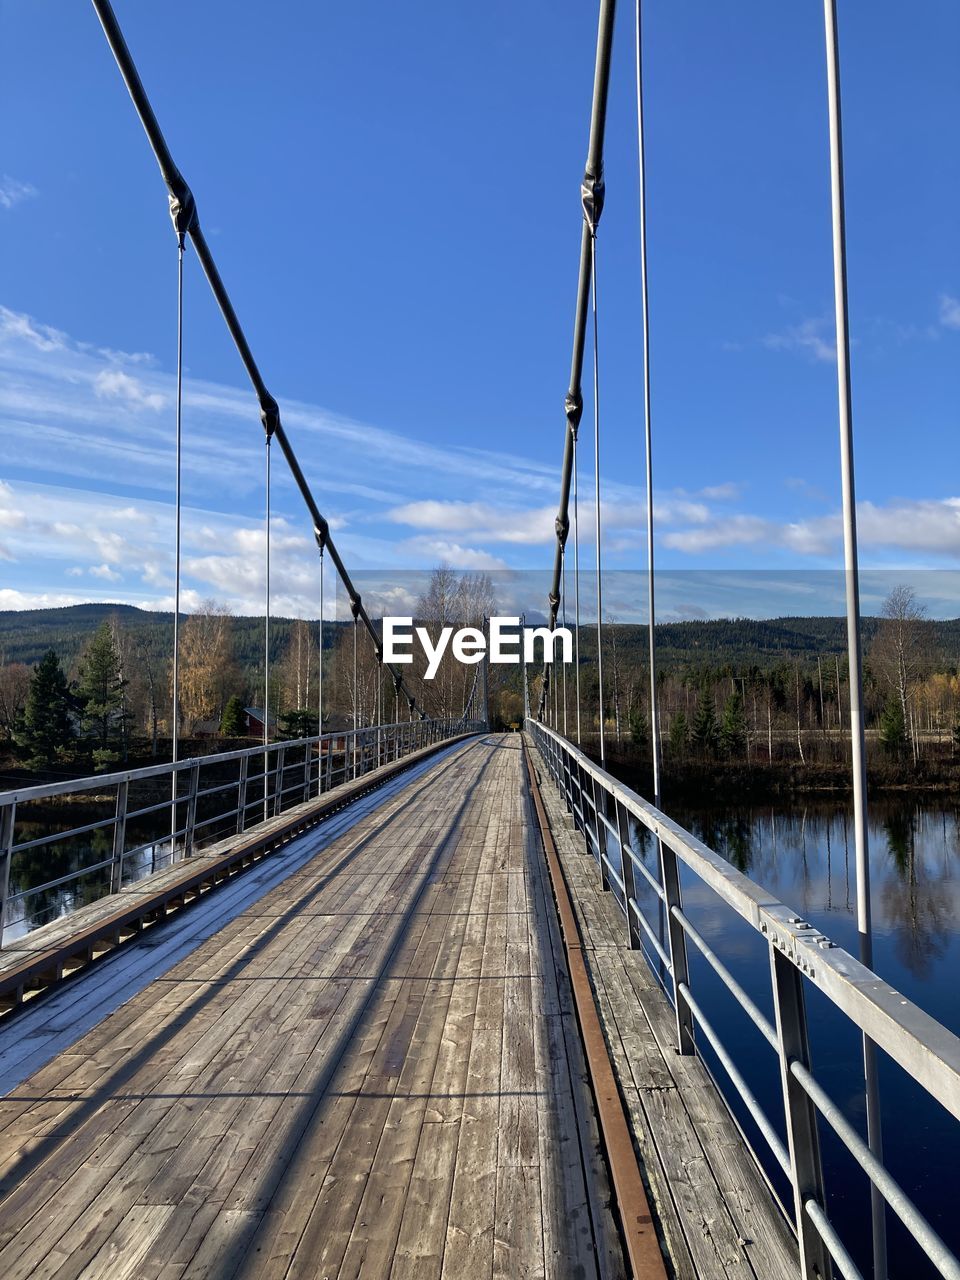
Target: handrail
[(799, 954), (289, 773)]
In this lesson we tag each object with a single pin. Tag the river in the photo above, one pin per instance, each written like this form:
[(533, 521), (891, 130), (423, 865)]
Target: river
[(803, 854)]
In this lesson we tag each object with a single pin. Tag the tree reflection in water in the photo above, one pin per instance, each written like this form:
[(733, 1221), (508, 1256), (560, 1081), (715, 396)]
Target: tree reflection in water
[(916, 903)]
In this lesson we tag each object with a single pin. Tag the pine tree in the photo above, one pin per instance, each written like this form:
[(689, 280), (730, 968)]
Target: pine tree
[(234, 721), (101, 691), (733, 727), (679, 734), (46, 731), (639, 730), (893, 731), (705, 730)]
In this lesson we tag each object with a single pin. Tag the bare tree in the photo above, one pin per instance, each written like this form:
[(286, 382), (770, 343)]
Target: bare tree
[(205, 661), (899, 653), (298, 668), (14, 685)]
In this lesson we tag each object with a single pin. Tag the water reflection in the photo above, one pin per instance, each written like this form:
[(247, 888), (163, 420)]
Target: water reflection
[(60, 858), (804, 855)]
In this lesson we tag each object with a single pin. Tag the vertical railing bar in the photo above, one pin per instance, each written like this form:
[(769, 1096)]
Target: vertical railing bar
[(806, 1171), (119, 837), (8, 822)]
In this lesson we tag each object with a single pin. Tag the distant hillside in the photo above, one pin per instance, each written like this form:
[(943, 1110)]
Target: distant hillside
[(26, 635)]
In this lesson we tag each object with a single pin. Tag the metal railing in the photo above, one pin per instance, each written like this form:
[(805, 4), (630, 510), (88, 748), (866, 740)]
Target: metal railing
[(612, 818), (183, 806)]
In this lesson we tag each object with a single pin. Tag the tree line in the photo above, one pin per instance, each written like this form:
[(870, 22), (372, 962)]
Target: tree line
[(795, 707)]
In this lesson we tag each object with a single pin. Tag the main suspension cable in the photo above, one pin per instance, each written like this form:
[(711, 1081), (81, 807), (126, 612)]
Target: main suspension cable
[(591, 197), (184, 212)]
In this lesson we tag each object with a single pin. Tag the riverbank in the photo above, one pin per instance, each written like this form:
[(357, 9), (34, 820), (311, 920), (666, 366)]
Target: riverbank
[(762, 780)]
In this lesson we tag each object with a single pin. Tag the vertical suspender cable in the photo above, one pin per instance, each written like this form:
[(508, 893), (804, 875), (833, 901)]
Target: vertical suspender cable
[(175, 714), (356, 697), (647, 428), (576, 583), (320, 688), (596, 465), (852, 575), (266, 637), (563, 604)]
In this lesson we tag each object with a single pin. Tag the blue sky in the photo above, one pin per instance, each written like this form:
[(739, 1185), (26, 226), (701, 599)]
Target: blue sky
[(392, 196)]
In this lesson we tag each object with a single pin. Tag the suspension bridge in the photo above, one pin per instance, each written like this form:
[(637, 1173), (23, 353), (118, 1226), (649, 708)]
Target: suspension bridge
[(418, 999)]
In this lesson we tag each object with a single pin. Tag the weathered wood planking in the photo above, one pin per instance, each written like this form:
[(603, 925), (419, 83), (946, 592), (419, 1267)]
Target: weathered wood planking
[(373, 1070), (716, 1214)]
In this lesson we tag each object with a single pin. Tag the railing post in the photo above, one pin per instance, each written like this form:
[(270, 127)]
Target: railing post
[(278, 787), (119, 837), (600, 831), (803, 1139), (242, 794), (8, 821), (670, 880), (306, 770), (628, 872), (191, 809), (568, 781), (582, 797)]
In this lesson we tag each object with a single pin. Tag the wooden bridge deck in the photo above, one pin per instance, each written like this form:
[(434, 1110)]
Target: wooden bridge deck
[(373, 1070)]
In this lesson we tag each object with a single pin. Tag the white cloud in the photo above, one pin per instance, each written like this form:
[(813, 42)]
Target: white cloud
[(114, 384), (931, 526), (14, 324), (480, 519), (455, 555), (14, 192), (106, 573), (949, 311), (811, 337)]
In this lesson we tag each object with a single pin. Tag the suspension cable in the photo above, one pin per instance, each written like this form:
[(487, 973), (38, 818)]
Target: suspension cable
[(576, 581), (356, 696), (596, 477), (320, 688), (563, 605), (266, 634), (178, 509), (647, 420), (591, 196), (184, 212)]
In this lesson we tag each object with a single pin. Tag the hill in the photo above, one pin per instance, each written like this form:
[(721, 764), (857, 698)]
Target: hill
[(25, 635)]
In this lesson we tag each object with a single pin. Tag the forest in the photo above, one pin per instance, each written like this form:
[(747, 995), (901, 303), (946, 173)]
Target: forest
[(84, 687)]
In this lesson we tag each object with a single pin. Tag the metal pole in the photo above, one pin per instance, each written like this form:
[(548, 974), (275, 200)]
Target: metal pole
[(648, 430), (596, 466), (852, 574), (175, 718), (266, 644)]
